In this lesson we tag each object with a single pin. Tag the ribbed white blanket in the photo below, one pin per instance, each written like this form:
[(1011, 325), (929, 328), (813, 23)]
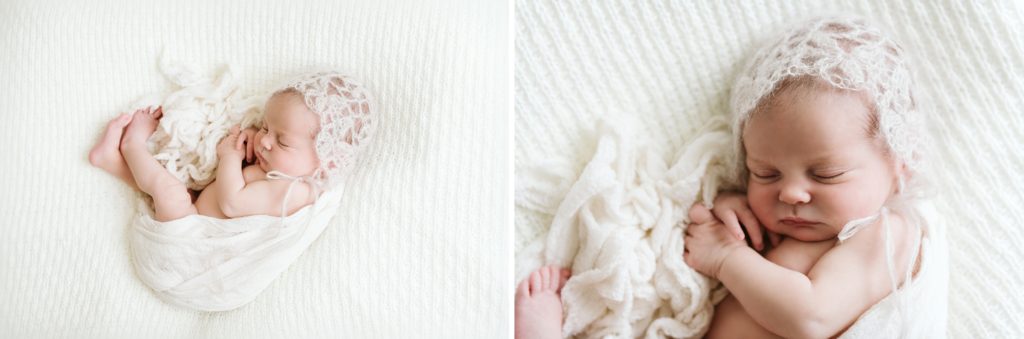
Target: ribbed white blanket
[(419, 246), (670, 64)]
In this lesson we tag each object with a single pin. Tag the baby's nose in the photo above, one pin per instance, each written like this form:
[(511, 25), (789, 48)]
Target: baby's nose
[(262, 140), (794, 195)]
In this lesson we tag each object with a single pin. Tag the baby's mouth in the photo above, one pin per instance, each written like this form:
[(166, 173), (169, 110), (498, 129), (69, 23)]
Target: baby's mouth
[(259, 158), (794, 221)]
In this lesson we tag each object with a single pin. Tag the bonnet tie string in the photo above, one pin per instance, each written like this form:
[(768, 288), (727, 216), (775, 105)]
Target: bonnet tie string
[(277, 175)]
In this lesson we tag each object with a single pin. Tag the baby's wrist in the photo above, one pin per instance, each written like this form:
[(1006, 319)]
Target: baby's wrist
[(732, 252), (231, 158)]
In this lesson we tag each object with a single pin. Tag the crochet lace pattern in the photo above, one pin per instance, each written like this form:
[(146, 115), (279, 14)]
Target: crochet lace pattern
[(347, 122), (847, 53)]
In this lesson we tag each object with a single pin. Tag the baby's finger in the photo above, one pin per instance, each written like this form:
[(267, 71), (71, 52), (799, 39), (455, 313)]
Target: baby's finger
[(699, 213), (249, 151), (240, 142), (753, 229), (733, 224)]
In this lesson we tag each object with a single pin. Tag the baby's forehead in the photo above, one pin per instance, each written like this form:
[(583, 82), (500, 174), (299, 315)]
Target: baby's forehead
[(292, 120), (805, 118), (832, 105)]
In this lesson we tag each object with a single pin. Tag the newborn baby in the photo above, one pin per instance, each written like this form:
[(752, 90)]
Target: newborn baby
[(289, 145), (828, 142), (825, 154)]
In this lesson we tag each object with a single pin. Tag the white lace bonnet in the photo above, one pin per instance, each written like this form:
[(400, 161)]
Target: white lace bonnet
[(347, 112), (846, 53)]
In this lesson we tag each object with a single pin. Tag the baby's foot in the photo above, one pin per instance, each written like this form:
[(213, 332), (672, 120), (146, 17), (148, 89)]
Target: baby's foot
[(144, 122), (539, 304), (106, 154)]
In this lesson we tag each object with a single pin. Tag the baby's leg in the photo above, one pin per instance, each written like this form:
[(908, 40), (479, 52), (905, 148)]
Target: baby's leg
[(106, 154), (732, 321), (539, 304), (171, 199)]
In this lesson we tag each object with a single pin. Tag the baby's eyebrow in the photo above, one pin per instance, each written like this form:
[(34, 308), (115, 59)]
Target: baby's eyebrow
[(827, 159), (759, 161)]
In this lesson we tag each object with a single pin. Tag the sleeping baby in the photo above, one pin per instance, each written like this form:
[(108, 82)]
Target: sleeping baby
[(829, 148), (307, 136), (276, 187), (828, 143)]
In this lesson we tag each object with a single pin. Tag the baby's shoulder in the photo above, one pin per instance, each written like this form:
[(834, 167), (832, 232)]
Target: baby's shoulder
[(867, 248), (899, 232)]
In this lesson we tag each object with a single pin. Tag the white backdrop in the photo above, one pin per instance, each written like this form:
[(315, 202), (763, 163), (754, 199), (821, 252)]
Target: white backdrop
[(672, 62), (420, 247)]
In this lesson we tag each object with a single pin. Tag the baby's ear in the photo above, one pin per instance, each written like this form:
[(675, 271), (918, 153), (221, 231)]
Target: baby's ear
[(902, 170), (903, 174)]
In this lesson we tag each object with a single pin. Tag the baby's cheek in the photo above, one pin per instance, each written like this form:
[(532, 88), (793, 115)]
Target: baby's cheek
[(851, 201), (761, 200)]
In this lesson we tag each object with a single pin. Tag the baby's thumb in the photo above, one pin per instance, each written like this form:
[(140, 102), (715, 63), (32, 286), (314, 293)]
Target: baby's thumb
[(699, 214)]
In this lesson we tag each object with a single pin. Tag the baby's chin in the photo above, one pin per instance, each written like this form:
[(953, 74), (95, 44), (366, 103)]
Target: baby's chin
[(809, 234), (263, 166)]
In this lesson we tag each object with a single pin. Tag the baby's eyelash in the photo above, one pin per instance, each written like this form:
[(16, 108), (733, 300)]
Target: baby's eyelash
[(819, 176), (763, 176)]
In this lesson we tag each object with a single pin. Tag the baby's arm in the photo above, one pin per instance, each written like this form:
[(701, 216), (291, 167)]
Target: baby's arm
[(732, 321), (238, 199), (843, 284)]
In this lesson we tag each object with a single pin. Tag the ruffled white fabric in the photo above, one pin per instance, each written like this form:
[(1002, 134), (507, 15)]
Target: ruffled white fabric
[(197, 115), (620, 228)]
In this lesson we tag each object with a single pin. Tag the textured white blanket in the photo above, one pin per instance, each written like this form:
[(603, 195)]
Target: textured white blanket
[(670, 64), (419, 247)]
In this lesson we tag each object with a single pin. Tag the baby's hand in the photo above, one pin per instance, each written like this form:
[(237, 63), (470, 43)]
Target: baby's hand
[(229, 146), (247, 141), (707, 244), (734, 211)]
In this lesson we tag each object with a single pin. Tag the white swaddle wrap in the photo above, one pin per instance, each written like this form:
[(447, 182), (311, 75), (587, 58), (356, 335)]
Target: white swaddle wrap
[(212, 264)]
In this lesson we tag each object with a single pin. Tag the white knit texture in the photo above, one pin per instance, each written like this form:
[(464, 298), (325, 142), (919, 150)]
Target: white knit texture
[(672, 63), (420, 248)]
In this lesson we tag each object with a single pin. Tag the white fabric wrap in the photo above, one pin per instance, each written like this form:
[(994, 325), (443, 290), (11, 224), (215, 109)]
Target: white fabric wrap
[(211, 264)]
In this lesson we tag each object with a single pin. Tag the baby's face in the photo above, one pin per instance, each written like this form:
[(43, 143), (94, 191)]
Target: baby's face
[(813, 166), (286, 143)]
